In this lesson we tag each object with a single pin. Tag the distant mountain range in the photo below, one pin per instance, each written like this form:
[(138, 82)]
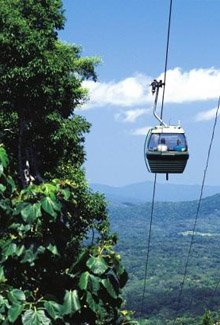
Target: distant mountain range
[(142, 192)]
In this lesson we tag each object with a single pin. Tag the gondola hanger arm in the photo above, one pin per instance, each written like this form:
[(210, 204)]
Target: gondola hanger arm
[(156, 85)]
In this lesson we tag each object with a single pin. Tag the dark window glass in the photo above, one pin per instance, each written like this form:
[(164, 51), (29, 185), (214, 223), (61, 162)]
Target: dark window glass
[(173, 141)]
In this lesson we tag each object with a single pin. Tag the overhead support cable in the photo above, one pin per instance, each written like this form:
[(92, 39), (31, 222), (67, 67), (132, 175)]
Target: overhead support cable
[(155, 177), (148, 243), (166, 58)]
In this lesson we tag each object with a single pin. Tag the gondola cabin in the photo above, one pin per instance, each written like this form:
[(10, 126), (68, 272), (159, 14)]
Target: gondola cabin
[(166, 150)]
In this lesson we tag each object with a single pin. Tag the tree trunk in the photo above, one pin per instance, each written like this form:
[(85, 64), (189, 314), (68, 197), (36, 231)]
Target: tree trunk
[(21, 156), (27, 158)]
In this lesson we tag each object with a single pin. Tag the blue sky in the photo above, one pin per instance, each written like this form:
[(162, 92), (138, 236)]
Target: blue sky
[(130, 38)]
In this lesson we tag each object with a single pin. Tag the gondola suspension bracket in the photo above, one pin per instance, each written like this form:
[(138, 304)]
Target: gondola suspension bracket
[(156, 85)]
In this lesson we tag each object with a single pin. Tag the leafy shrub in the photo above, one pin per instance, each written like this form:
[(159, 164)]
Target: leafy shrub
[(47, 275)]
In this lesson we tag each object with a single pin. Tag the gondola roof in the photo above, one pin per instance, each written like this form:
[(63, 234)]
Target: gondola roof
[(167, 129)]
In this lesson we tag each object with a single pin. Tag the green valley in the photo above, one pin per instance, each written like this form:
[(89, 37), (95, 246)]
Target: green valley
[(171, 236)]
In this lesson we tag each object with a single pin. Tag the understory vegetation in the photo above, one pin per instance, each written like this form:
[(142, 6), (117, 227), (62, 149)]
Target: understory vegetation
[(47, 275)]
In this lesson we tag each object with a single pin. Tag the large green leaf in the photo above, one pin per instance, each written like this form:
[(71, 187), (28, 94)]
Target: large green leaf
[(96, 307), (1, 169), (29, 256), (123, 277), (14, 312), (10, 250), (31, 212), (3, 157), (21, 228), (83, 281), (80, 263), (53, 249), (4, 302), (54, 309), (2, 275), (5, 205), (16, 295), (94, 284), (11, 183), (26, 212), (20, 250), (51, 206), (109, 288), (35, 317), (49, 188), (71, 302), (89, 282), (19, 207), (2, 188), (91, 302), (66, 194), (97, 265)]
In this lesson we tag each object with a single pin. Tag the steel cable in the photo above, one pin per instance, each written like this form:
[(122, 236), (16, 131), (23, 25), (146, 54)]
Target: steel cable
[(166, 58), (155, 177), (148, 244)]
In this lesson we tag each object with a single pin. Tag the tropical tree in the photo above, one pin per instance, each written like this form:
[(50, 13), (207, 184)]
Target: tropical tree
[(57, 263), (40, 86)]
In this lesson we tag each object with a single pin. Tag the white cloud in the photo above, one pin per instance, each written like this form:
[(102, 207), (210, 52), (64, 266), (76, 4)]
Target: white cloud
[(182, 86), (194, 85), (125, 93), (206, 115), (130, 116), (140, 131)]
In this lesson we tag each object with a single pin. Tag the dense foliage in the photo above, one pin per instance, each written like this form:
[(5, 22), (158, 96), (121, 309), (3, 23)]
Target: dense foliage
[(171, 235), (57, 263), (45, 277), (40, 86)]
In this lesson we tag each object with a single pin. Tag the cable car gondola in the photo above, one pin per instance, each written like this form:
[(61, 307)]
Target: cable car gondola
[(165, 148)]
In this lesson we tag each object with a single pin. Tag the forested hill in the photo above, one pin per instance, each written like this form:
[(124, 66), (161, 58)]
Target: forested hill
[(171, 234), (142, 192)]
